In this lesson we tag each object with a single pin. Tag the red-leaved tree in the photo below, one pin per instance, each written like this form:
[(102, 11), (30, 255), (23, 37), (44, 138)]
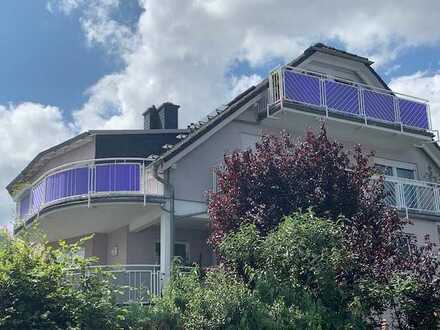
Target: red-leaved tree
[(283, 175)]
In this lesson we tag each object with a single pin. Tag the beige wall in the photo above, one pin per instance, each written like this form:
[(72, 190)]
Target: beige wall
[(99, 248), (84, 152), (141, 245), (117, 239)]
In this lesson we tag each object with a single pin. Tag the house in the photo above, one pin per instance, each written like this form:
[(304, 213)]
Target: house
[(143, 192)]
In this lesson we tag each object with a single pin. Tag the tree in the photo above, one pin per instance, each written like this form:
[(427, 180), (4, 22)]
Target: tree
[(291, 283), (282, 176), (46, 288)]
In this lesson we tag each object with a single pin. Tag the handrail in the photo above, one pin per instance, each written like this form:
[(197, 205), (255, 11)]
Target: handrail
[(76, 186), (346, 97), (413, 195), (135, 285), (354, 83)]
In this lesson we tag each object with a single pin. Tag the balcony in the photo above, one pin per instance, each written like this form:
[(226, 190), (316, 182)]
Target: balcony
[(413, 196), (338, 98), (88, 180)]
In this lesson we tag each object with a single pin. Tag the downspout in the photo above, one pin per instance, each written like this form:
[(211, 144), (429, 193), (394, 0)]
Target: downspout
[(168, 188), (169, 194)]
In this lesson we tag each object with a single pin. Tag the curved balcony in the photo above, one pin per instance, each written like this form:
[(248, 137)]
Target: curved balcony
[(86, 180)]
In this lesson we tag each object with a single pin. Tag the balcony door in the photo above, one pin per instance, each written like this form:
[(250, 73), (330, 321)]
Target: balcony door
[(406, 196)]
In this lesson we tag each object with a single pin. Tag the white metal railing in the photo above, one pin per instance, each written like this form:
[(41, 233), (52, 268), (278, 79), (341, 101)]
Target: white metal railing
[(136, 283), (88, 179), (413, 195), (348, 98)]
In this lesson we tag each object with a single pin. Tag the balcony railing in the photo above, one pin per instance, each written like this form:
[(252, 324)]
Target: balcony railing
[(88, 179), (136, 282), (348, 99), (413, 195)]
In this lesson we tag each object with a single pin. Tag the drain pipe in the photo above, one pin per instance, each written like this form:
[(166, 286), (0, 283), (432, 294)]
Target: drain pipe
[(167, 227)]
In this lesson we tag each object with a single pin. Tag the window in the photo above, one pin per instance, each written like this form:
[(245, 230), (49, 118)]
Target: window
[(181, 250), (403, 171)]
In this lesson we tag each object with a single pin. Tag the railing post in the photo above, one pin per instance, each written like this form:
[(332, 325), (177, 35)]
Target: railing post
[(144, 182), (403, 202), (323, 95), (90, 185), (30, 201), (436, 200), (361, 104), (397, 112)]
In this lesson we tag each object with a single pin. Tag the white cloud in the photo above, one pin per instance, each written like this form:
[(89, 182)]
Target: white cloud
[(27, 129), (424, 85), (241, 83), (182, 50)]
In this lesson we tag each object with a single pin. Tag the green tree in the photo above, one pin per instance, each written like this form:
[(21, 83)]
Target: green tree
[(42, 287), (289, 282)]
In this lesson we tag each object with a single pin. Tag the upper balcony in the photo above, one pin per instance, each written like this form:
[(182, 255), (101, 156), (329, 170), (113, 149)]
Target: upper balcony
[(85, 181), (342, 99)]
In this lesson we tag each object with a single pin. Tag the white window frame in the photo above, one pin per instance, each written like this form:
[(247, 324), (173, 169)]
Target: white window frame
[(394, 164)]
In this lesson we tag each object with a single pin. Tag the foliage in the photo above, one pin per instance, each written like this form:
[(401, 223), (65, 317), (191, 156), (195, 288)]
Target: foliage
[(416, 290), (280, 290), (282, 176), (46, 288)]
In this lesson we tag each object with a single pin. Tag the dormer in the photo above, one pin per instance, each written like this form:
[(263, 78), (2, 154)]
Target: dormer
[(339, 64)]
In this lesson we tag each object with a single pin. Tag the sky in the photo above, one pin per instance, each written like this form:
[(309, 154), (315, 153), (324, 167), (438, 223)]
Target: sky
[(67, 66)]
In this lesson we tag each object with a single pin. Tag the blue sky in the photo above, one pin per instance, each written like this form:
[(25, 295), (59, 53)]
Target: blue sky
[(45, 56), (71, 65)]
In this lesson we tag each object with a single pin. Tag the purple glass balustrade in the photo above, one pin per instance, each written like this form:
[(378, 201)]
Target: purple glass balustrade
[(73, 182), (349, 98), (117, 177), (94, 178)]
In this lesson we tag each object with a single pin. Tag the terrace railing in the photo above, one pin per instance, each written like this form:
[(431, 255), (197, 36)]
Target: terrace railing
[(88, 179), (134, 283), (347, 98), (137, 283), (413, 195)]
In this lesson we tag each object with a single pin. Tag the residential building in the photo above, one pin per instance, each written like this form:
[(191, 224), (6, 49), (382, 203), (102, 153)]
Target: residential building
[(143, 193)]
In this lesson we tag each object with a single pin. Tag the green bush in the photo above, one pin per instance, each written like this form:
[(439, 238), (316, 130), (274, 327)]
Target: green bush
[(42, 287), (287, 280)]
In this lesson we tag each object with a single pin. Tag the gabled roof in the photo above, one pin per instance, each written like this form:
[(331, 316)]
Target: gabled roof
[(320, 47)]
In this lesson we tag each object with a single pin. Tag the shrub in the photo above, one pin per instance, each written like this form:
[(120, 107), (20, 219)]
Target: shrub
[(46, 288), (288, 281)]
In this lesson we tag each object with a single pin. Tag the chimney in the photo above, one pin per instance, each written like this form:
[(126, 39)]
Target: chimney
[(164, 117)]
